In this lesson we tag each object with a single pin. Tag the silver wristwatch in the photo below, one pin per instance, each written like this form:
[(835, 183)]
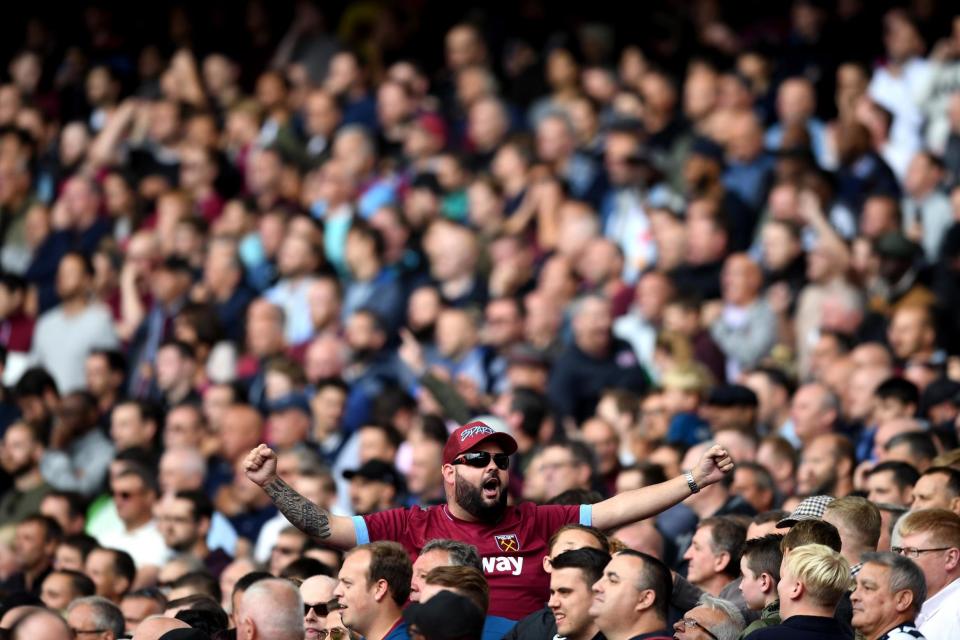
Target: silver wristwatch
[(694, 487)]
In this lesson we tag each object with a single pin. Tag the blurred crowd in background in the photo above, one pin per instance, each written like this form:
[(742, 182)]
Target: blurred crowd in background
[(346, 230)]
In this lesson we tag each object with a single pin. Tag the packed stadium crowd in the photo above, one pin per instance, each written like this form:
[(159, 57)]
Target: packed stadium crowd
[(372, 322)]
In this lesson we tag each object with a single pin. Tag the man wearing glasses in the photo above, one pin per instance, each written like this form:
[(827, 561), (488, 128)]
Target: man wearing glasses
[(890, 590), (316, 592), (512, 540), (712, 619), (931, 538)]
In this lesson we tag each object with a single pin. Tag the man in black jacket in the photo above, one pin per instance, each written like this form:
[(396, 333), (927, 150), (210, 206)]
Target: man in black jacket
[(594, 362), (813, 580)]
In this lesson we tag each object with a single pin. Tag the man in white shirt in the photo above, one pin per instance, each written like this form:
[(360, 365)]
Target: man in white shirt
[(931, 538), (135, 493), (899, 85), (86, 321)]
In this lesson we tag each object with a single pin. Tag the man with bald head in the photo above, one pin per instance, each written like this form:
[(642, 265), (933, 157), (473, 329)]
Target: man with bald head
[(814, 411), (911, 333), (41, 624), (316, 591), (155, 626), (746, 329), (271, 609)]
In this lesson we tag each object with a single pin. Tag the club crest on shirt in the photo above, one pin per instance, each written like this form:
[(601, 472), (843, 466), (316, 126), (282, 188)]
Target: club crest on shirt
[(508, 542)]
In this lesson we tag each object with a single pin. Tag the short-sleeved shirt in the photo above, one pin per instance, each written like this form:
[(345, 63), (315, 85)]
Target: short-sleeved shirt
[(511, 549)]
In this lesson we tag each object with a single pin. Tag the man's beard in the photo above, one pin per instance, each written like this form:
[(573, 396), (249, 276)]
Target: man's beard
[(470, 498), (22, 469), (827, 486)]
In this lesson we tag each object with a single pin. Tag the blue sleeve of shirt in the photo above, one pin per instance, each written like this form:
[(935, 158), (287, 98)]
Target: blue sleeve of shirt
[(360, 530), (586, 515)]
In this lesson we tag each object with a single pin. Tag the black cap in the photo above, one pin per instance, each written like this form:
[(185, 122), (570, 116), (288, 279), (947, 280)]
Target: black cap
[(377, 470), (446, 616), (427, 181), (176, 264), (290, 401), (184, 634), (939, 391), (894, 244), (732, 395), (708, 148), (526, 355)]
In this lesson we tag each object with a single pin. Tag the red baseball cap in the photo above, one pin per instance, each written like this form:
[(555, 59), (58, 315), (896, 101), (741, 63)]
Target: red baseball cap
[(472, 434)]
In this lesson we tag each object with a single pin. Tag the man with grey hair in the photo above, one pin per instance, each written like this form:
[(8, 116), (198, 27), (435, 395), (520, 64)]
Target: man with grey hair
[(890, 591), (441, 552), (713, 618), (271, 609), (96, 615)]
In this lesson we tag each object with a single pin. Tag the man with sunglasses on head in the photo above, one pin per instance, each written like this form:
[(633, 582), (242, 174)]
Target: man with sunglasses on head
[(512, 540), (931, 538), (316, 591)]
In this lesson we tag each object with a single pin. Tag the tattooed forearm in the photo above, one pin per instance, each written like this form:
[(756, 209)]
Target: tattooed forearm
[(301, 513)]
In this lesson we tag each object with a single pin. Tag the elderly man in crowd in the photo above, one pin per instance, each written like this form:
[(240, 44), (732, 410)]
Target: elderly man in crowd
[(890, 591)]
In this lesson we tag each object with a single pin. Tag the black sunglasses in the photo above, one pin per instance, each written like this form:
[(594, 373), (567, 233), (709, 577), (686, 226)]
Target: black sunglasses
[(480, 459), (322, 609)]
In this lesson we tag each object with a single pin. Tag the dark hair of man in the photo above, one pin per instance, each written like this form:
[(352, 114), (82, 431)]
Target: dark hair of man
[(596, 533), (468, 581), (898, 389), (760, 474), (389, 432), (200, 581), (811, 532), (199, 503), (51, 528), (206, 616), (123, 564), (149, 593), (590, 562), (903, 473), (245, 582), (919, 444), (532, 406), (657, 577), (183, 349), (726, 535), (148, 479), (82, 543), (651, 472), (953, 478), (776, 515), (76, 503), (391, 563), (763, 555), (81, 583), (35, 382), (305, 567), (116, 361)]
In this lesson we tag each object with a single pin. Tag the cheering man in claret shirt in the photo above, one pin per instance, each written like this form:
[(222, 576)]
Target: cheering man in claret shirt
[(511, 540)]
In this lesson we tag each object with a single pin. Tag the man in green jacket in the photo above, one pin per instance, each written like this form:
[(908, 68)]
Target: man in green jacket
[(760, 569)]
